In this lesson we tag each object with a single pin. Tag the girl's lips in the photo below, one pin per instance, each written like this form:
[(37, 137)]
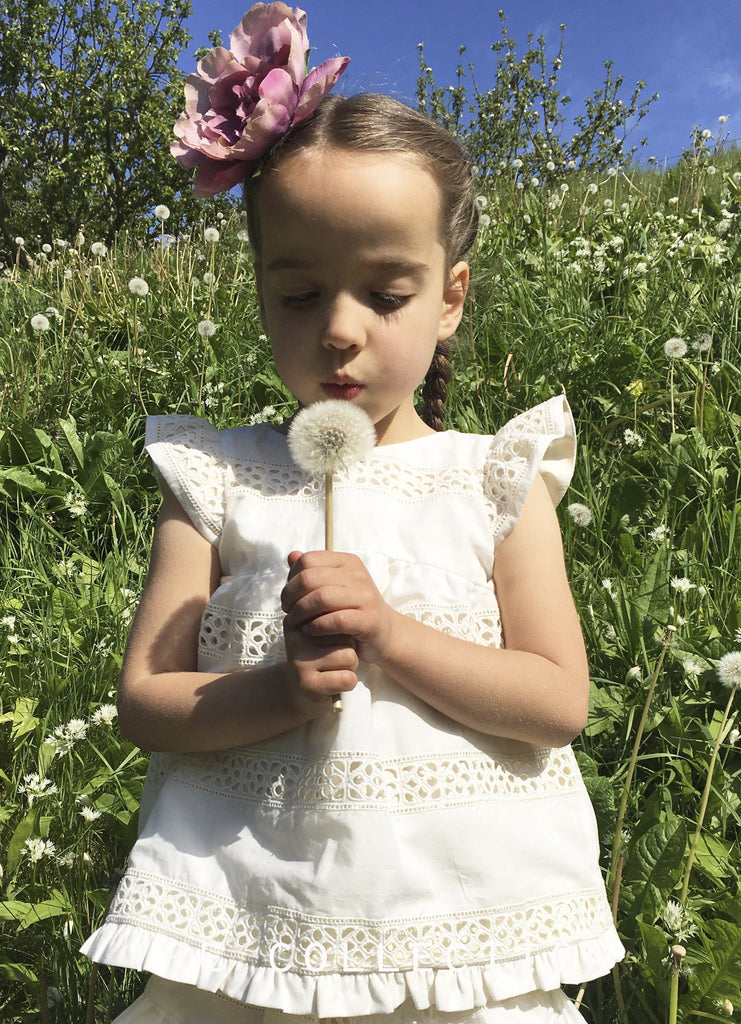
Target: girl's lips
[(346, 390)]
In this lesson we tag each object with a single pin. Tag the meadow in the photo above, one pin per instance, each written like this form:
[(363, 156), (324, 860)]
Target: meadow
[(621, 289)]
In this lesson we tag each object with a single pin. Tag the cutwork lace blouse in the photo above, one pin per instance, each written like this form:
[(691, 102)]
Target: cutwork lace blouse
[(385, 854)]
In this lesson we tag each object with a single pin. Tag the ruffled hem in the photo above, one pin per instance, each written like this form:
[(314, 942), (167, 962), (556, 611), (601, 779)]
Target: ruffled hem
[(348, 995)]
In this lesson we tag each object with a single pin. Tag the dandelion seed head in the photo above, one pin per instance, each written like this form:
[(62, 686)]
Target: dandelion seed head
[(99, 249), (703, 343), (206, 328), (711, 169), (675, 348), (39, 322), (211, 235), (329, 436), (729, 670), (481, 202), (581, 514), (138, 287), (162, 212)]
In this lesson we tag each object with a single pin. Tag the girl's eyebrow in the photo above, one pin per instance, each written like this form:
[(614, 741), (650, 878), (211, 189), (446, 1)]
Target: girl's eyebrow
[(391, 265)]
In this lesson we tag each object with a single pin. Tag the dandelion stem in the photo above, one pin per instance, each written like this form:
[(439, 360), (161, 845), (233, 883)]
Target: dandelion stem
[(328, 512), (617, 840), (704, 801)]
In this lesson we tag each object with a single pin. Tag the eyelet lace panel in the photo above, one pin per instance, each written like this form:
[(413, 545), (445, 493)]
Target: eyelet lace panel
[(311, 945), (364, 781), (250, 637)]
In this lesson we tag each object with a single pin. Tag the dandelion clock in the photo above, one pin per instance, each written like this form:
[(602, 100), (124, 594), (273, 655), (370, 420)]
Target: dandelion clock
[(325, 438)]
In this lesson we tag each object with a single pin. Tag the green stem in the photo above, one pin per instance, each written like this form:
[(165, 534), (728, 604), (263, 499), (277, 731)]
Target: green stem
[(674, 996), (705, 798), (616, 843)]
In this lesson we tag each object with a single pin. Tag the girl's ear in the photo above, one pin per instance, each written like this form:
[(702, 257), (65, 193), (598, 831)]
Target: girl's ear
[(453, 298)]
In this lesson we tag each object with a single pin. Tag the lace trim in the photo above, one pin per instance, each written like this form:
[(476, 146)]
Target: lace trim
[(247, 638), (312, 945), (362, 781)]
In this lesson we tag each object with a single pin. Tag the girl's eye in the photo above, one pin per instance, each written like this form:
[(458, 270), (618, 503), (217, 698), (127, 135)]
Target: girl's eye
[(301, 299), (388, 302)]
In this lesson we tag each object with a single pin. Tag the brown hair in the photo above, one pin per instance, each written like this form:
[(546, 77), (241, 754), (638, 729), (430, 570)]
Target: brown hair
[(375, 123)]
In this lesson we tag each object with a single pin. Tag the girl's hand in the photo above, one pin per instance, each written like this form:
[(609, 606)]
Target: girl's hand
[(335, 617)]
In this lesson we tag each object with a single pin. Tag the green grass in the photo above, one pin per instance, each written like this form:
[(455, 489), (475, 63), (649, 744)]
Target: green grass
[(576, 289)]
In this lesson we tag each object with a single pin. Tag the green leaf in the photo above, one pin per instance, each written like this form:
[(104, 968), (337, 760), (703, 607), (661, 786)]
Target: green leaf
[(26, 828), (719, 977), (653, 868), (69, 429)]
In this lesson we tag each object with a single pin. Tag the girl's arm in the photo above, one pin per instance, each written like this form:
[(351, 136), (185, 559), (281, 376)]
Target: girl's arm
[(165, 704), (536, 689)]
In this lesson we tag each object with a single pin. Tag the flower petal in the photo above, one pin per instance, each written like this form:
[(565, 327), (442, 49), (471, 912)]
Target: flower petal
[(212, 178), (316, 86), (270, 31)]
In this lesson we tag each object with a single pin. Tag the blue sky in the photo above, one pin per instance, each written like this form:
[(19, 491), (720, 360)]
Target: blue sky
[(686, 51)]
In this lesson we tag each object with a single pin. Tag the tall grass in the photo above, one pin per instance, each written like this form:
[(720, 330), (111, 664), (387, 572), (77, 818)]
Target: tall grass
[(579, 284)]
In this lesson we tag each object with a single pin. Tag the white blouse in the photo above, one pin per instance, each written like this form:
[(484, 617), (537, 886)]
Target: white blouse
[(386, 853)]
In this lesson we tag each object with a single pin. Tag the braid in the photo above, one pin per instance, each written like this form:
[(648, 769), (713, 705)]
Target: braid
[(435, 387)]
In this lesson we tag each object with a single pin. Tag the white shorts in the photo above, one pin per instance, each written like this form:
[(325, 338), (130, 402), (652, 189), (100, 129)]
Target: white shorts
[(168, 1002)]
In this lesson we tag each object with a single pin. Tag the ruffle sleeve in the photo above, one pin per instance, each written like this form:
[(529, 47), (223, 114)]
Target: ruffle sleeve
[(540, 440), (187, 453)]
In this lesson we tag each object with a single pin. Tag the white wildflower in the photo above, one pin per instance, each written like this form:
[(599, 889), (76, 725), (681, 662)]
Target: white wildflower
[(724, 1006), (38, 848), (632, 439), (581, 514), (659, 533), (265, 415), (211, 235), (535, 182), (138, 287), (206, 328), (329, 436), (706, 134), (19, 241), (39, 322), (736, 177), (608, 585), (8, 621), (710, 170), (104, 715), (675, 918), (611, 172), (592, 188), (733, 736), (682, 585), (634, 673), (481, 202), (99, 249), (607, 204), (76, 504), (517, 163), (729, 670), (162, 212), (703, 343), (693, 667), (484, 222), (35, 787), (65, 736), (550, 166), (723, 118), (208, 277), (89, 813), (243, 235), (675, 348)]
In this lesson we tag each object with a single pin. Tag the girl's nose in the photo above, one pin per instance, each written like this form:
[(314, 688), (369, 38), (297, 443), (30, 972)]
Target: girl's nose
[(344, 327)]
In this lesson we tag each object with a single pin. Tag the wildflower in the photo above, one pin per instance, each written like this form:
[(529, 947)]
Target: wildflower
[(76, 504), (581, 515), (329, 436), (723, 118), (535, 182), (706, 134), (65, 736), (607, 584), (89, 813), (675, 918), (682, 585), (722, 226), (737, 636), (211, 235), (39, 322), (724, 1006), (564, 187), (659, 533), (634, 673), (632, 439), (635, 388), (550, 166), (104, 715), (733, 736), (243, 235), (206, 328), (517, 163), (641, 267), (703, 343), (264, 415), (46, 248), (99, 249), (138, 287), (592, 188), (710, 170), (481, 202), (736, 176), (611, 172), (607, 204), (36, 788), (729, 670), (8, 621), (162, 212), (484, 222), (693, 667), (38, 848), (208, 277), (571, 165), (675, 348)]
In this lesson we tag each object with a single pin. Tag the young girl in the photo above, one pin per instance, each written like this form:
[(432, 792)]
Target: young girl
[(429, 853)]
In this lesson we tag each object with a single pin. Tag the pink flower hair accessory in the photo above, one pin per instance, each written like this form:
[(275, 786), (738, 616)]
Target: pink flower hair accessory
[(242, 100)]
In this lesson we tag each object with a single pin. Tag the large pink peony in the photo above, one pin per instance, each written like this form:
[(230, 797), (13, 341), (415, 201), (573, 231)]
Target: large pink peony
[(245, 98)]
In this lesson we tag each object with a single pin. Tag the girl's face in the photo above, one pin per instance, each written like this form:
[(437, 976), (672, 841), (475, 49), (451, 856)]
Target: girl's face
[(352, 281)]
